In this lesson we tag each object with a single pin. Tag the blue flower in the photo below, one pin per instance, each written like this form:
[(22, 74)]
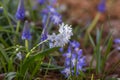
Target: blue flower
[(20, 14), (102, 6), (117, 43), (51, 2), (117, 40), (1, 9), (56, 18), (26, 35), (41, 1), (75, 44), (44, 36), (51, 12), (73, 60), (61, 49), (66, 71), (51, 9)]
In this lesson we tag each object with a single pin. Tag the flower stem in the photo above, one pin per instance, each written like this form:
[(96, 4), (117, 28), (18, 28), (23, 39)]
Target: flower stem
[(18, 26), (47, 69), (17, 30), (91, 27), (35, 47), (26, 45)]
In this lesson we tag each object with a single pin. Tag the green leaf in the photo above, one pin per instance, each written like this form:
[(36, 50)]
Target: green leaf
[(33, 58), (92, 41), (4, 54), (98, 51), (10, 76)]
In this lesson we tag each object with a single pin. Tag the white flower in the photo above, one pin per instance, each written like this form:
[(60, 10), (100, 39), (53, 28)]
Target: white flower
[(74, 61), (66, 71), (65, 33), (19, 55)]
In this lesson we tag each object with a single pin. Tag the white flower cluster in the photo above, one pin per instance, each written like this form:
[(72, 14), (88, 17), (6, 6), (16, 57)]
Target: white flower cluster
[(59, 40), (19, 55)]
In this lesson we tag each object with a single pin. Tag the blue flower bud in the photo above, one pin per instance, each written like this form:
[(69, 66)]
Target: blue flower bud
[(26, 35), (56, 18), (20, 14), (44, 36), (1, 9), (41, 1), (102, 6)]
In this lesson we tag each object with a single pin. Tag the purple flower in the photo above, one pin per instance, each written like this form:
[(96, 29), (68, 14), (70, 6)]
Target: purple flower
[(44, 36), (61, 49), (75, 44), (51, 12), (117, 41), (41, 2), (26, 35), (56, 18), (1, 9), (73, 59), (102, 6), (51, 9), (20, 14), (66, 71), (51, 2)]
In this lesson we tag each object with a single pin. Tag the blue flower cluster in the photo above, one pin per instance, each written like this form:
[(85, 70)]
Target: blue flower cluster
[(26, 35), (1, 9), (20, 14), (117, 43), (51, 12), (51, 2), (74, 61), (49, 15), (102, 6)]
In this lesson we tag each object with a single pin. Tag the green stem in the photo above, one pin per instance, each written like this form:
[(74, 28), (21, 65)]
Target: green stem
[(92, 77), (45, 29), (18, 27), (17, 31), (35, 47), (31, 11), (6, 15), (26, 45), (91, 27), (36, 69), (47, 69)]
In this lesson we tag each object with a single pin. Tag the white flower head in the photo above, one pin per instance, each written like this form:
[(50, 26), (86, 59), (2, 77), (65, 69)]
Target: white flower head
[(19, 55), (66, 71), (65, 33)]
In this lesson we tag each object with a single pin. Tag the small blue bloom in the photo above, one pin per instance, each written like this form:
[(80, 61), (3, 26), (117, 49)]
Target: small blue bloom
[(56, 18), (51, 9), (44, 20), (75, 44), (117, 43), (41, 2), (20, 14), (51, 12), (61, 49), (26, 35), (44, 36), (66, 72), (1, 9), (73, 59), (102, 6), (117, 40)]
